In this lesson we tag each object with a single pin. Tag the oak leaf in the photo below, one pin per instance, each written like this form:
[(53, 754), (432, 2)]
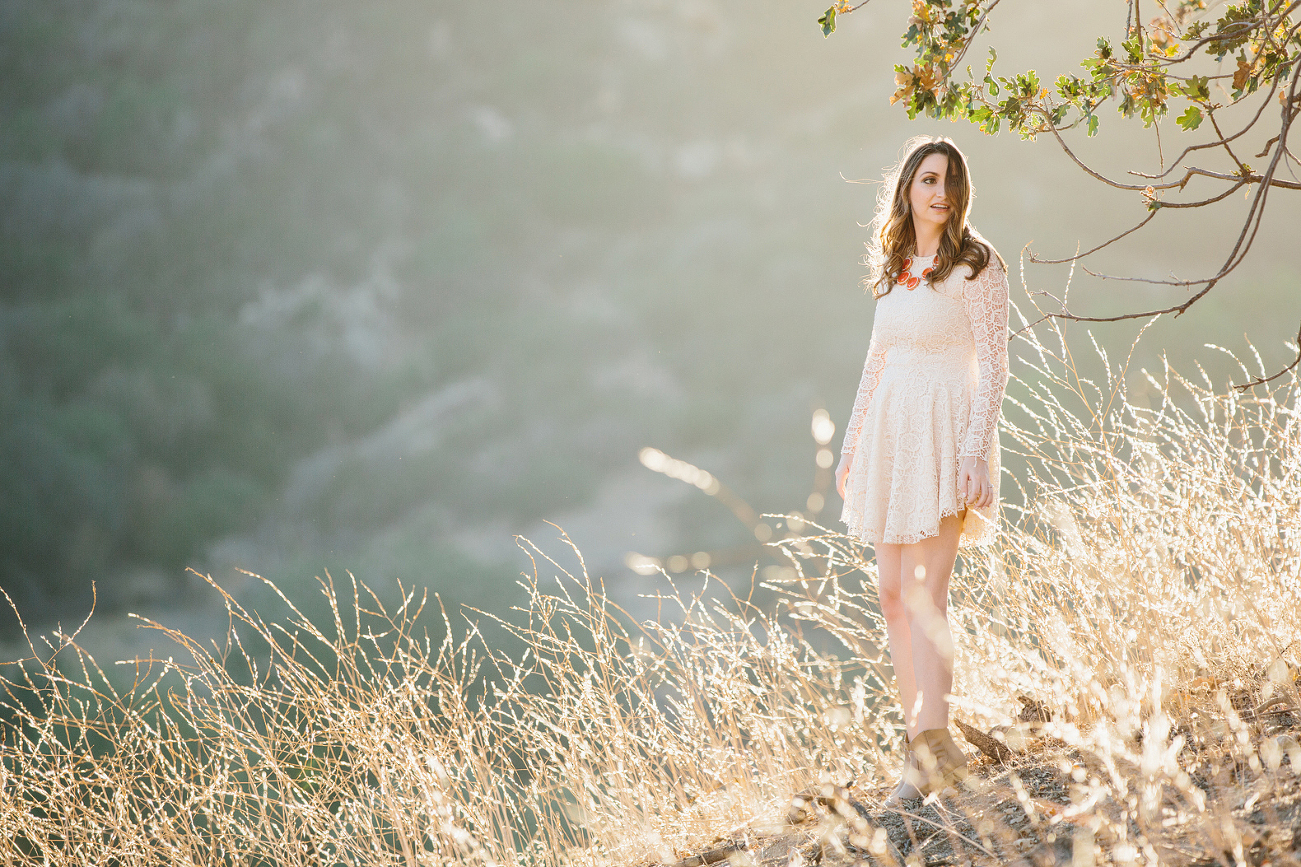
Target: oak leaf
[(1240, 77), (927, 79), (904, 81), (828, 22), (1190, 119)]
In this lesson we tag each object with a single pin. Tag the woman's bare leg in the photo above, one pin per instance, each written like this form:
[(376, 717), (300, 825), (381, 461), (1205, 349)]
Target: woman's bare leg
[(914, 591), (925, 570), (890, 591)]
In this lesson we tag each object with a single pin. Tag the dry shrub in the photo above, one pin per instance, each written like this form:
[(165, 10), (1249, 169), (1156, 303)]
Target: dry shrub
[(1148, 594), (1145, 596)]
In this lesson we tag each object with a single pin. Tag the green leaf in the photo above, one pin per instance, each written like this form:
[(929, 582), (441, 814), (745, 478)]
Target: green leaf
[(1133, 49), (828, 22), (1198, 87), (1190, 119), (1093, 124)]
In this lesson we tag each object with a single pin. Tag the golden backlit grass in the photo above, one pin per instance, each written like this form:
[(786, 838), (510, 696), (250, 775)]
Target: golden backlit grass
[(1145, 594)]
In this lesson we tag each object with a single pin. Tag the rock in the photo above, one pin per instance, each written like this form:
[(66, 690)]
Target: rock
[(711, 856), (984, 742)]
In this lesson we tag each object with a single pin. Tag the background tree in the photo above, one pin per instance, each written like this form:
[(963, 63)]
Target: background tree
[(296, 286), (1229, 72)]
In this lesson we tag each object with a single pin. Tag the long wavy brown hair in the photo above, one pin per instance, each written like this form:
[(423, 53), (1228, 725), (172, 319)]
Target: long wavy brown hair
[(893, 236)]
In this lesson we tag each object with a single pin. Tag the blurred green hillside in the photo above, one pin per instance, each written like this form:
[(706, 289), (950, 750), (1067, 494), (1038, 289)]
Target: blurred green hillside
[(298, 285)]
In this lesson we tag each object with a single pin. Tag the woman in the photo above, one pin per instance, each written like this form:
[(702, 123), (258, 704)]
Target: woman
[(919, 465)]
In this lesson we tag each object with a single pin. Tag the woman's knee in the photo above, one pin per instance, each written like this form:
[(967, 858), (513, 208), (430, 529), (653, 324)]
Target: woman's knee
[(888, 579), (892, 603)]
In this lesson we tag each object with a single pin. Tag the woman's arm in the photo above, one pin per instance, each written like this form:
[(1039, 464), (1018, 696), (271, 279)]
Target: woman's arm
[(986, 302), (872, 368)]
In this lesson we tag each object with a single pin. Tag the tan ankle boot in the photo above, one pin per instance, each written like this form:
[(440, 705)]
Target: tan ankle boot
[(942, 761), (910, 779)]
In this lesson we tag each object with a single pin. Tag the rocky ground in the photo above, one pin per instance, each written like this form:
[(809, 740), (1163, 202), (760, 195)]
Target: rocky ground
[(1033, 807)]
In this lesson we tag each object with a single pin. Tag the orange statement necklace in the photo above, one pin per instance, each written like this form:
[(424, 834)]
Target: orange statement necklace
[(908, 279)]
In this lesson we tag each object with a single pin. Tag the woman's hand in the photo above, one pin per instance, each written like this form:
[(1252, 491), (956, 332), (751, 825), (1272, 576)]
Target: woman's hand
[(973, 483), (842, 472)]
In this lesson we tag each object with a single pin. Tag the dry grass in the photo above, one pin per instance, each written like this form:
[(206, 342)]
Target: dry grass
[(1145, 596)]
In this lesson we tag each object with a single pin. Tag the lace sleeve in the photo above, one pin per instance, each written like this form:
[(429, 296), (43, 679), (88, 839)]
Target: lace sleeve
[(867, 385), (986, 301)]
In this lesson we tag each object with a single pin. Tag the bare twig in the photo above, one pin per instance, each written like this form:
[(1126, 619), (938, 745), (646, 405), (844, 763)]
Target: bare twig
[(1261, 380), (1250, 226), (1101, 246), (975, 31)]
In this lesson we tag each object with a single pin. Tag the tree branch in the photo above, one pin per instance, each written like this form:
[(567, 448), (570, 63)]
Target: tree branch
[(1254, 215), (1251, 225), (1264, 103), (1248, 178), (1141, 75), (1261, 380), (1037, 261), (975, 31)]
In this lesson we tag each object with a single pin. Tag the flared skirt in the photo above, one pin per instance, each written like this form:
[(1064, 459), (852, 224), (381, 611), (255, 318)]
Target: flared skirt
[(904, 476)]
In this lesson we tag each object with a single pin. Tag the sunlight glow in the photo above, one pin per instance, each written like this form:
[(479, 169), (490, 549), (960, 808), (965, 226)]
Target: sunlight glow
[(654, 459), (641, 564), (823, 427)]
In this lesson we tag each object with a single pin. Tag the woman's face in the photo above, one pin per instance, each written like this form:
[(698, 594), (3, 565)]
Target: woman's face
[(927, 195)]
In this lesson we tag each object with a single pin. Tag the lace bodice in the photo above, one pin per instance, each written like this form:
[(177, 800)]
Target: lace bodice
[(937, 332)]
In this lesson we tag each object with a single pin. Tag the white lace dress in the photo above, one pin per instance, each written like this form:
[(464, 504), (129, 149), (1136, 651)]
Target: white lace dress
[(931, 392)]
